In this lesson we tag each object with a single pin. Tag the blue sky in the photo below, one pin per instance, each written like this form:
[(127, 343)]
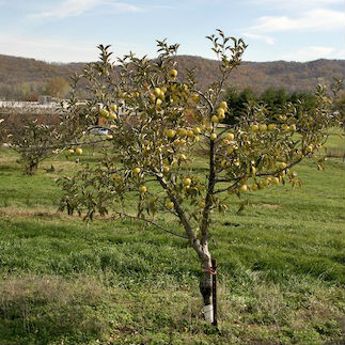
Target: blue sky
[(69, 30)]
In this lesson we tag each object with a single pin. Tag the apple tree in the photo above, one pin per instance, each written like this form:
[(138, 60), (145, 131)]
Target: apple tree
[(34, 142), (167, 152)]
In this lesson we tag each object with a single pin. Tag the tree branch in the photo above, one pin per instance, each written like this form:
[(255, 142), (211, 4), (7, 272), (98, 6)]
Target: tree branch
[(239, 178), (151, 222), (209, 194)]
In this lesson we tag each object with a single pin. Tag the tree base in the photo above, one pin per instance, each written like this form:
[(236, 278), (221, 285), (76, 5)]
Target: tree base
[(208, 313)]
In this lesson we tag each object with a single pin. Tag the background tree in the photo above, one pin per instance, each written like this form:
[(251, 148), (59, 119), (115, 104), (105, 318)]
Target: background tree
[(34, 142), (159, 124), (275, 99), (237, 103), (57, 87)]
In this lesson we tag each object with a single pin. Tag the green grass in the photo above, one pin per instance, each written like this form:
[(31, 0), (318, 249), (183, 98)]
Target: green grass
[(281, 268)]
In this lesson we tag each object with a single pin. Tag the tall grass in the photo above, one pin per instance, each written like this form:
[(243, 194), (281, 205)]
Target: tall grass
[(281, 268)]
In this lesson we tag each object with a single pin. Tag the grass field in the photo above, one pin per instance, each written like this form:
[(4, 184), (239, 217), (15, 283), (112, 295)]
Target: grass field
[(282, 268)]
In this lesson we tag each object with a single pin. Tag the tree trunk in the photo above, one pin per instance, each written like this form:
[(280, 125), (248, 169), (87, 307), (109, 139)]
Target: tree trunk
[(31, 168), (206, 284)]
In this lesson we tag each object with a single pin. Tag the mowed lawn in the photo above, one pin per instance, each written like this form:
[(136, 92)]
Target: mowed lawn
[(281, 268)]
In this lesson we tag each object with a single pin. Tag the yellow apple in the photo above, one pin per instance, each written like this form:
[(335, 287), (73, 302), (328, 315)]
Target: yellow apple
[(157, 91), (230, 136), (271, 126), (282, 165), (224, 163), (243, 188), (136, 171), (195, 98), (223, 105), (169, 205), (173, 73), (309, 148), (152, 97), (181, 142), (263, 183), (182, 132), (285, 127), (213, 136), (221, 113), (142, 189), (196, 130), (190, 133), (187, 182), (230, 150), (254, 187), (263, 127), (104, 113), (112, 116), (214, 119), (275, 181), (254, 128), (171, 133), (79, 151)]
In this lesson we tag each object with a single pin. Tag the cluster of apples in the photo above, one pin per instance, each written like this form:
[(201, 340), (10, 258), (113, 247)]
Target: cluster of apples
[(263, 127), (78, 151), (108, 113), (216, 118)]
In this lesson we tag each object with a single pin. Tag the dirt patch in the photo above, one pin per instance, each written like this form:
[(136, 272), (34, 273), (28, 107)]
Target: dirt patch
[(270, 206), (17, 212)]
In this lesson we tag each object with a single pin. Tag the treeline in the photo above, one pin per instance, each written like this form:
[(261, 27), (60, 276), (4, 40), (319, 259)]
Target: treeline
[(23, 79), (273, 99), (30, 91)]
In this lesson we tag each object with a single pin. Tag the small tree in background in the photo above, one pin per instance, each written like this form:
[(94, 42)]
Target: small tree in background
[(159, 123), (276, 100), (57, 87), (34, 142)]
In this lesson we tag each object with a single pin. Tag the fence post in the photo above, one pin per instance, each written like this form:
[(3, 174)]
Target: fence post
[(214, 292)]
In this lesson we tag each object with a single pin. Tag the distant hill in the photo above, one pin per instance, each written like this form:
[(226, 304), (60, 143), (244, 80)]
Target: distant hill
[(17, 73), (259, 76), (15, 70)]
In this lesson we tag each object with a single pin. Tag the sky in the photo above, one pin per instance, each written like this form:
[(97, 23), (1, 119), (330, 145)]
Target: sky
[(70, 30)]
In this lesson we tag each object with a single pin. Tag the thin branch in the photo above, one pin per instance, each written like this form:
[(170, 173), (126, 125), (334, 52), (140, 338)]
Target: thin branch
[(239, 178), (151, 222), (206, 99), (54, 147), (195, 243), (210, 191)]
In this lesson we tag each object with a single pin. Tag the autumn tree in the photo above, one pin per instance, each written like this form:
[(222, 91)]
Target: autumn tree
[(34, 142), (57, 87), (168, 156)]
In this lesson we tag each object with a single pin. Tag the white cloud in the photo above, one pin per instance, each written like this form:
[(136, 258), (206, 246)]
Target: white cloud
[(266, 39), (315, 52), (47, 49), (297, 4), (57, 50), (315, 20), (70, 8)]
